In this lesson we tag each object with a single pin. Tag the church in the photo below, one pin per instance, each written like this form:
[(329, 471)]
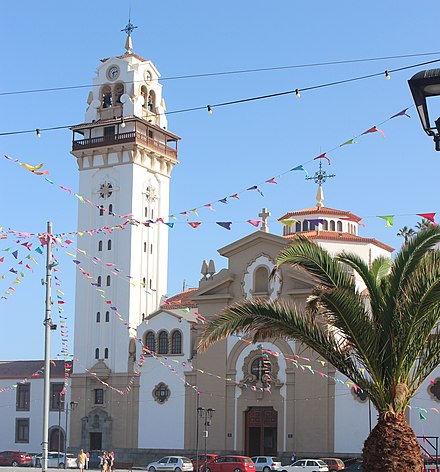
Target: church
[(141, 387)]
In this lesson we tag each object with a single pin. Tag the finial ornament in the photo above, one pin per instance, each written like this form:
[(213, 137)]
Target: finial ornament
[(319, 178), (128, 30)]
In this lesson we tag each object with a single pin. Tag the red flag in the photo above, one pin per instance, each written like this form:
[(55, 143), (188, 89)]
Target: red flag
[(374, 130), (428, 216), (322, 156), (194, 224)]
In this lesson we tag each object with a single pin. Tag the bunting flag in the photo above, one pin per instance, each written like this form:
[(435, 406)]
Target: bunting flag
[(194, 224), (225, 224), (428, 216), (31, 168), (254, 222), (209, 206), (350, 141), (288, 221), (322, 156), (301, 167), (235, 196), (374, 130), (389, 219), (401, 113), (272, 181), (254, 187), (224, 200)]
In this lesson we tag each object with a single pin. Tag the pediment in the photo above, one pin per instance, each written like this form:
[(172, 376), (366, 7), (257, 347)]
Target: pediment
[(251, 240), (101, 370)]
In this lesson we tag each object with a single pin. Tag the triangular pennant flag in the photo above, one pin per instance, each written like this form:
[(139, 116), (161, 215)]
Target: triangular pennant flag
[(15, 254), (194, 224), (39, 250), (271, 181), (235, 196), (254, 187), (31, 168), (422, 416), (171, 225), (401, 113), (209, 205), (389, 219), (194, 210), (254, 222), (374, 130), (322, 156), (428, 216), (2, 259), (301, 167), (350, 141), (288, 221), (225, 224), (224, 200)]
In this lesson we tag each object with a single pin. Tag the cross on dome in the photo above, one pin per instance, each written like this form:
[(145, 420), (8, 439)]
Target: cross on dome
[(319, 178)]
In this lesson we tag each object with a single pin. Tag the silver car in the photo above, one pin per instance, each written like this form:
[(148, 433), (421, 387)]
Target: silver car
[(171, 464), (266, 463), (307, 465)]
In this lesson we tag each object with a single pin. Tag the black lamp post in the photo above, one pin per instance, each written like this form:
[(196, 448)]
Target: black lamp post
[(72, 405), (206, 414), (423, 85)]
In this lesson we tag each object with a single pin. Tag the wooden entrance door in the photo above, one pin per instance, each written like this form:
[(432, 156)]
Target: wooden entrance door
[(261, 431)]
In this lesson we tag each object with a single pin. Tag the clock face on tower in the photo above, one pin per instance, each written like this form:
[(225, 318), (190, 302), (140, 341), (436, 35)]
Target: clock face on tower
[(113, 72)]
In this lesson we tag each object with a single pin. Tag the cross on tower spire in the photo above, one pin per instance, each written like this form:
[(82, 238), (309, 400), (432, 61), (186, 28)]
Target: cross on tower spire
[(319, 178), (128, 30)]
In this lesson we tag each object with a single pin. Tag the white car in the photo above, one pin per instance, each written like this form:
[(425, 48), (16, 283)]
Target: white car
[(171, 464), (266, 463), (54, 462), (306, 465)]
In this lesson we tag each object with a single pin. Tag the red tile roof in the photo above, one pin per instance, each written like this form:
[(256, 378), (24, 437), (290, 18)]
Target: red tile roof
[(321, 210), (335, 236), (181, 300), (25, 369)]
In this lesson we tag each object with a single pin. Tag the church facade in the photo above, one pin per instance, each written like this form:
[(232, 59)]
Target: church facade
[(268, 399)]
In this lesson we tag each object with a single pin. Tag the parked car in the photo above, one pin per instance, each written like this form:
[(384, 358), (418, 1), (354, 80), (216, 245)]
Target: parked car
[(54, 460), (355, 467), (307, 465), (266, 463), (333, 463), (171, 464), (202, 459), (231, 464), (15, 458)]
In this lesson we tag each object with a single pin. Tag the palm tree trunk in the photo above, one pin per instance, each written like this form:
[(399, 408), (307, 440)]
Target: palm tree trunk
[(392, 446)]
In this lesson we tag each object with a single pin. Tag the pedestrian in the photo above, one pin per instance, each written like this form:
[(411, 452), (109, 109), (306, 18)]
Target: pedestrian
[(293, 458), (87, 459), (81, 459), (104, 462), (109, 462)]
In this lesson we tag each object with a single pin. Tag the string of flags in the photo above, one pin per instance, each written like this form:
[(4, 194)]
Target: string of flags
[(187, 214)]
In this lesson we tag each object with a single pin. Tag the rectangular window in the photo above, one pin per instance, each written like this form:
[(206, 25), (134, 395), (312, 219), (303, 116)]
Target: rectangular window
[(23, 397), (22, 430), (56, 399), (109, 131), (99, 396)]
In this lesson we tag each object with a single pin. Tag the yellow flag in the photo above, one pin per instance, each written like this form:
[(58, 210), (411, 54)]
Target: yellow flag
[(288, 221), (31, 168)]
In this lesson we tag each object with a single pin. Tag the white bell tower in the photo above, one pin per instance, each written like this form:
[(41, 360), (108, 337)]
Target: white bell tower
[(125, 156)]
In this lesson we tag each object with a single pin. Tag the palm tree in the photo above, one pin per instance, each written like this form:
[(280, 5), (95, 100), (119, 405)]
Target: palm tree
[(421, 225), (386, 344), (406, 233)]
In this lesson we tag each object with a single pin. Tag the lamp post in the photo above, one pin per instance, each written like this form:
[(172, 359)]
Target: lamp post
[(423, 85), (206, 414), (72, 405)]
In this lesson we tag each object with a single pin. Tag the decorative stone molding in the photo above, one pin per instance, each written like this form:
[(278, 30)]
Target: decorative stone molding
[(274, 283)]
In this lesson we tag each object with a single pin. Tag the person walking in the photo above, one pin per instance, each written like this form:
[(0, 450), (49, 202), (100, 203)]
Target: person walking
[(81, 459), (87, 459), (104, 462)]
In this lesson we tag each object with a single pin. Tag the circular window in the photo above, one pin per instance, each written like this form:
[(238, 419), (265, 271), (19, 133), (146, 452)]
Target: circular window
[(105, 190), (161, 393)]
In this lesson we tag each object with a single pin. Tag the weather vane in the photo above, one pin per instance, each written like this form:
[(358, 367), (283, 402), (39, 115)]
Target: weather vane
[(319, 178)]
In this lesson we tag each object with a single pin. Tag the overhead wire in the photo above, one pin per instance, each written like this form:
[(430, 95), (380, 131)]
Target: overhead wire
[(248, 99)]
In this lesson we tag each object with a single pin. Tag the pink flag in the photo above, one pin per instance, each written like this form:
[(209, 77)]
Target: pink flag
[(194, 224), (374, 130), (271, 181), (255, 223)]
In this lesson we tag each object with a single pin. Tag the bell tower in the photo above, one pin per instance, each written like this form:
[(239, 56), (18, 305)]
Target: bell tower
[(125, 156)]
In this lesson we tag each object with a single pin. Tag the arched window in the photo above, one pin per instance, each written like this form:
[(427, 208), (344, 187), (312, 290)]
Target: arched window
[(145, 247), (119, 91), (106, 96), (107, 316), (261, 280), (151, 102), (332, 225), (110, 209), (98, 317), (298, 226), (106, 353), (305, 225), (151, 248), (99, 281), (150, 341), (101, 210), (97, 353), (144, 94), (109, 245), (108, 281), (354, 229), (163, 343), (260, 369), (176, 342), (100, 246), (339, 225), (325, 225)]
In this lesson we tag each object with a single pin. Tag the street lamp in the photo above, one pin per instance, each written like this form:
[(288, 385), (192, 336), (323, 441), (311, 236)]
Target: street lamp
[(423, 85), (206, 414), (72, 405)]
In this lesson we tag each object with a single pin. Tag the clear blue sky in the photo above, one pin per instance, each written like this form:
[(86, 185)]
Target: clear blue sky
[(53, 43)]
